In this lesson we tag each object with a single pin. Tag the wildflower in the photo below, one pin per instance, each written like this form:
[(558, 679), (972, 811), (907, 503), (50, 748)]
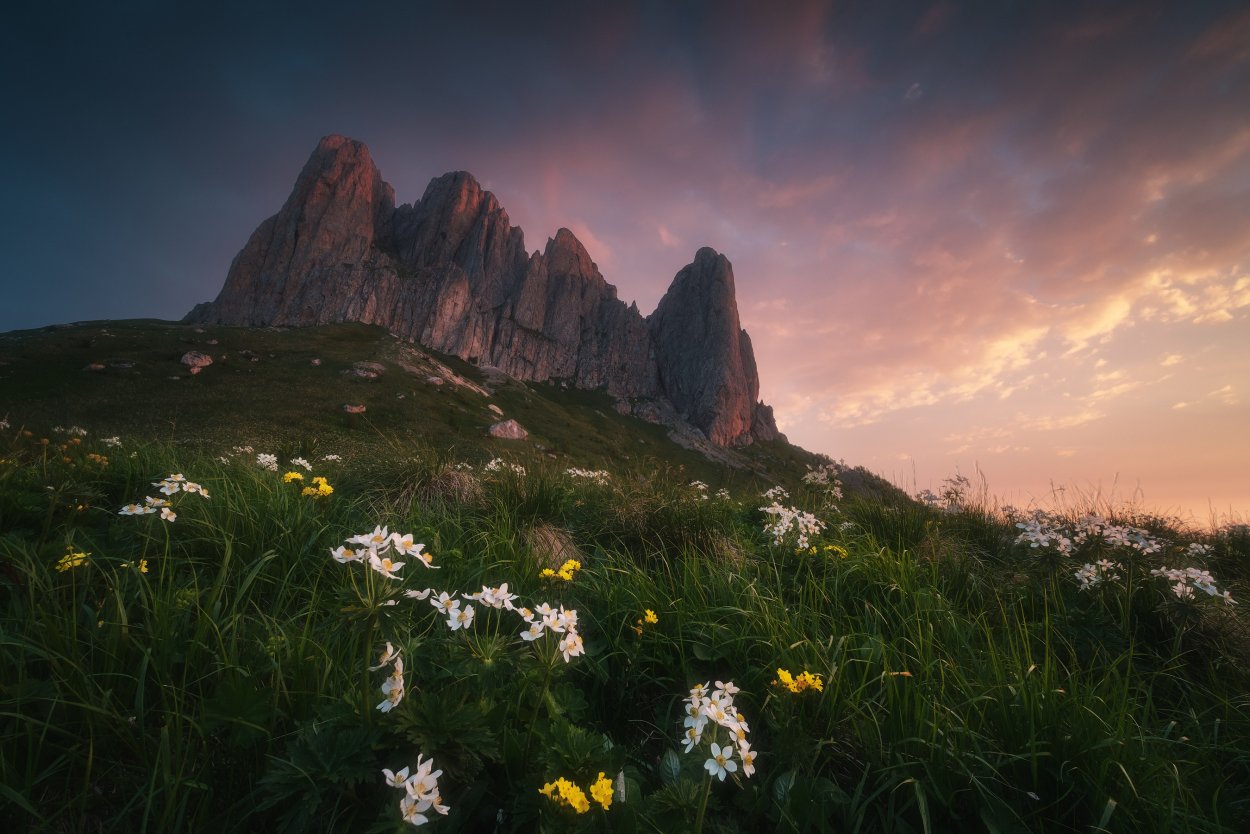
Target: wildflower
[(111, 442), (344, 554), (378, 539), (748, 759), (331, 458), (601, 791), (803, 682), (192, 487), (424, 783), (721, 762), (393, 687), (460, 618), (168, 515), (292, 476), (568, 794), (266, 461), (411, 594), (134, 509), (533, 632), (142, 566), (410, 810), (301, 462), (388, 655), (395, 779), (445, 603), (572, 646), (384, 565), (155, 503), (694, 735), (72, 559), (320, 488)]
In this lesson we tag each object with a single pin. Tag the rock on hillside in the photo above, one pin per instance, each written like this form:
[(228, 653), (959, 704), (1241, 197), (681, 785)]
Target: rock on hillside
[(452, 273)]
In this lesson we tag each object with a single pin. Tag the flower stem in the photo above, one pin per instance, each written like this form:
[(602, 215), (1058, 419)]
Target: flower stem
[(707, 791)]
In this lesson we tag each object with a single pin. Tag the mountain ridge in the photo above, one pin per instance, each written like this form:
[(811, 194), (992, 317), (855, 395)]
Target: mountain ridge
[(451, 273)]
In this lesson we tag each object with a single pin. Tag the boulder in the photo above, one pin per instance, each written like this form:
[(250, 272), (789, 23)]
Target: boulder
[(196, 360), (508, 430)]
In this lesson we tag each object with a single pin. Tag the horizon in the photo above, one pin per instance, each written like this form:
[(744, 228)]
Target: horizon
[(1011, 240)]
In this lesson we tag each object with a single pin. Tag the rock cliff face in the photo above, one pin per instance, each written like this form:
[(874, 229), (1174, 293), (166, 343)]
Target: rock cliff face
[(452, 273)]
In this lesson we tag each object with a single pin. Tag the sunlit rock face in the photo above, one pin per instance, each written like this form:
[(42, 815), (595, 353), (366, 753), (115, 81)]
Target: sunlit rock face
[(452, 273)]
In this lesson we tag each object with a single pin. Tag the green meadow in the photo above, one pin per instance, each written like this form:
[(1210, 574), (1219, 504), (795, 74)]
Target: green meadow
[(227, 605)]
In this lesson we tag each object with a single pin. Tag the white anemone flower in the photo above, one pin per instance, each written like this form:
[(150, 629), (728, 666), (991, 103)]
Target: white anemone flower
[(721, 762), (572, 646), (384, 565), (413, 594), (168, 515), (396, 779), (460, 618), (388, 654), (533, 632), (345, 554)]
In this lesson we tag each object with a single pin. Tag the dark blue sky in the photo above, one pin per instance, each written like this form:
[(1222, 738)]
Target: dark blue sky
[(942, 216)]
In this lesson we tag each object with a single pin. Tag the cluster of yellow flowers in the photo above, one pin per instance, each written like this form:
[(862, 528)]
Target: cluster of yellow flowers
[(72, 559), (320, 486), (564, 791), (803, 682), (648, 618), (566, 571), (831, 549)]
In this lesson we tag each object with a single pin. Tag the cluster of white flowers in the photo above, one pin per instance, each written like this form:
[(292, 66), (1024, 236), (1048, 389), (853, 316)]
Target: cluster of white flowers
[(1093, 575), (393, 686), (170, 487), (72, 431), (597, 476), (243, 450), (267, 461), (543, 618), (302, 463), (787, 519), (331, 458), (700, 489), (112, 442), (1185, 580), (501, 465), (1044, 530), (420, 791), (375, 550), (776, 494), (826, 475), (707, 715), (951, 497), (722, 494)]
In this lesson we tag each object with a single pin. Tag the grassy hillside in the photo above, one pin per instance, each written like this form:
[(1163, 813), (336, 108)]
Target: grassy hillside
[(233, 661), (125, 379)]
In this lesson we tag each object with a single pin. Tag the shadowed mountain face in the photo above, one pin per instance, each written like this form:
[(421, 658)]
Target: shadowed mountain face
[(452, 273)]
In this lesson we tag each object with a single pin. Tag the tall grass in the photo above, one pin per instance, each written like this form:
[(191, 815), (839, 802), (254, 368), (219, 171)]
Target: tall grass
[(968, 682)]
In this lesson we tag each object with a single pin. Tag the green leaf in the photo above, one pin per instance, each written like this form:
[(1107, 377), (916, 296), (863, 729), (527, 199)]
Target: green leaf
[(670, 767)]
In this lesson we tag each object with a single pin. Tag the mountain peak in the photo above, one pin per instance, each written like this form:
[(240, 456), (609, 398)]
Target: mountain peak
[(450, 272)]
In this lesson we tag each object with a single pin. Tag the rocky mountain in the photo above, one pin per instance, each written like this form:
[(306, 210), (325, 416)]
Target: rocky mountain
[(452, 273)]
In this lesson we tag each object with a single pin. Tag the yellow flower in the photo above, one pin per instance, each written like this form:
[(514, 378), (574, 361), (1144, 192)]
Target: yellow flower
[(72, 560), (650, 617), (569, 794), (292, 476), (601, 791), (547, 573)]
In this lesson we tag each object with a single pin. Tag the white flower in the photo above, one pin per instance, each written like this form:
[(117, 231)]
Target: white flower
[(693, 736), (572, 646), (721, 762), (423, 784), (419, 594), (393, 687), (133, 509), (266, 461), (410, 809), (445, 603), (386, 657), (461, 618), (331, 458), (379, 539), (748, 759), (533, 632), (395, 779), (302, 463), (384, 565), (345, 554), (404, 544), (168, 515)]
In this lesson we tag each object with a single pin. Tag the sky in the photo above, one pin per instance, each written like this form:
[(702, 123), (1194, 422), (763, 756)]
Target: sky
[(1009, 240)]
